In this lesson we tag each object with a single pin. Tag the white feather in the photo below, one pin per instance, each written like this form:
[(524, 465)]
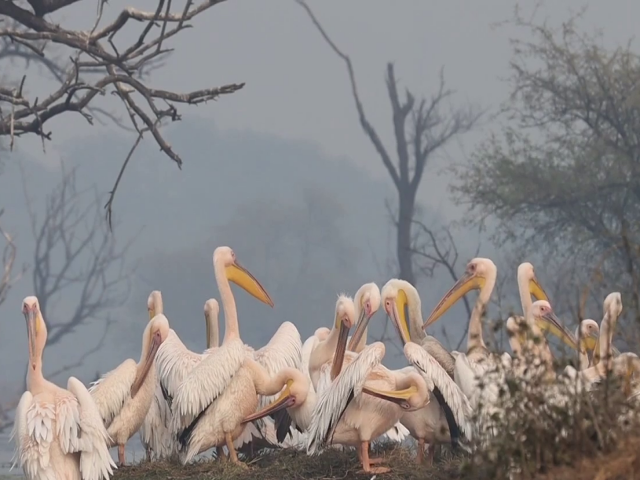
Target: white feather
[(436, 376), (206, 381), (48, 434), (335, 399)]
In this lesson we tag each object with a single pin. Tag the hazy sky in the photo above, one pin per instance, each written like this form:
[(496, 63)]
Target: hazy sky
[(297, 89)]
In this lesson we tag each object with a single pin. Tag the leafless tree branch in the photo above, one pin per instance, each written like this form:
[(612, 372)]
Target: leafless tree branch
[(95, 67), (416, 143), (76, 255)]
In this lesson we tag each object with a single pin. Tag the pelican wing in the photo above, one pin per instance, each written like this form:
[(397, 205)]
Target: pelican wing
[(155, 432), (174, 361), (112, 389), (33, 434), (206, 381), (336, 398), (80, 429), (282, 351), (437, 377)]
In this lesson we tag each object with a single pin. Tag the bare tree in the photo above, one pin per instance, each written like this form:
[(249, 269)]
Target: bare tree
[(77, 263), (421, 129), (94, 64)]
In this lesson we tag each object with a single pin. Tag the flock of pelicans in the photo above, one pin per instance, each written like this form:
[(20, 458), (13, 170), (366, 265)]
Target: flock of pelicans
[(331, 390)]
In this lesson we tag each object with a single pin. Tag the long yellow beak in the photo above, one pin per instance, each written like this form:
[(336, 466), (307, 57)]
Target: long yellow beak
[(399, 318), (550, 323), (31, 316), (143, 370), (399, 397), (341, 347), (589, 343), (537, 291), (239, 275), (363, 322), (152, 313), (285, 400), (463, 286)]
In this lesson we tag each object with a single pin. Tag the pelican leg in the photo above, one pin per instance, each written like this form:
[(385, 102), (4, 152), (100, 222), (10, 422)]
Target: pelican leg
[(220, 454), (120, 455), (420, 457), (233, 455), (372, 461), (366, 463), (431, 450)]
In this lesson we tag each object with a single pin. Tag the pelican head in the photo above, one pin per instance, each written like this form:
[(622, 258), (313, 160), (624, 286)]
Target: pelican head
[(542, 312), (344, 320), (588, 331), (239, 275), (480, 273), (293, 395), (154, 303), (613, 305), (35, 325), (368, 301), (527, 275), (155, 333), (396, 303)]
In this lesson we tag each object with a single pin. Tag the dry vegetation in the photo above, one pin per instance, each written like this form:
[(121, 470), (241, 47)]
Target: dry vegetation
[(294, 465)]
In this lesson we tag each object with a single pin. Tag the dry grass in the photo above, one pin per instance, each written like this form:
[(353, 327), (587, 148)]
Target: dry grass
[(296, 465)]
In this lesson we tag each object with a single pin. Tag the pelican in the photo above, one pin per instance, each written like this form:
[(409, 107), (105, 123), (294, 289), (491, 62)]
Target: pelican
[(436, 422), (367, 303), (173, 362), (528, 285), (216, 396), (612, 309), (123, 395), (59, 433), (587, 333), (154, 433)]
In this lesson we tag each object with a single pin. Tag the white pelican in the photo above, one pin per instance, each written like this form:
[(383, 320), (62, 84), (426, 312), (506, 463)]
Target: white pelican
[(437, 422), (603, 353), (367, 303), (221, 390), (124, 394), (344, 415), (59, 433), (587, 333), (155, 434)]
